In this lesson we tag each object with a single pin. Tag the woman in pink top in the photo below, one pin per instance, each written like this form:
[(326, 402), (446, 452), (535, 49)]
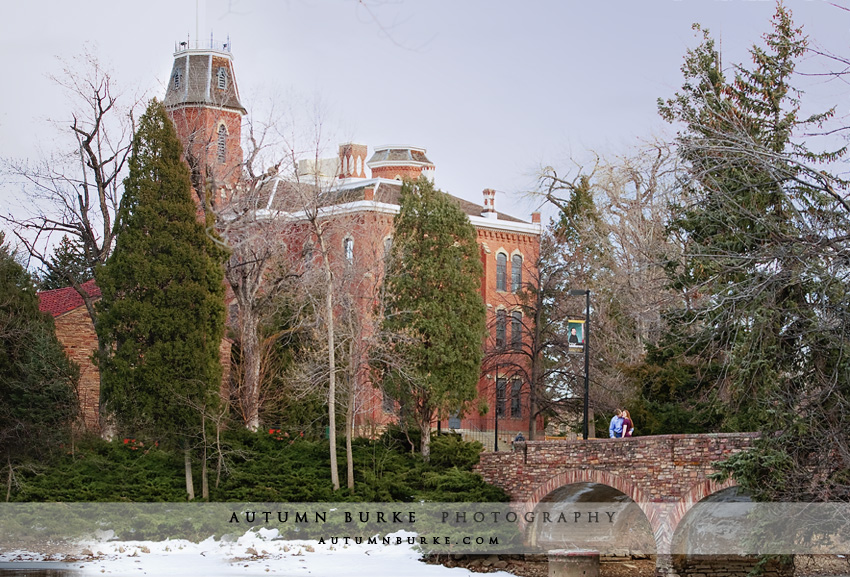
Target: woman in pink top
[(628, 426)]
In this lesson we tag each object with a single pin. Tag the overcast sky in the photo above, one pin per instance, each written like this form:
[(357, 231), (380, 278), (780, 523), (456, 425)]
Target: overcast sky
[(493, 89)]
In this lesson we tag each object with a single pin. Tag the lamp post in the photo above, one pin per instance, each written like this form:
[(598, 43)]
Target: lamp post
[(586, 293)]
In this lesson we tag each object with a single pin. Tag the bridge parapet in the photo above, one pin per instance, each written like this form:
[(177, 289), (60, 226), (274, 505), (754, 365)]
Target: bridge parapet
[(654, 468)]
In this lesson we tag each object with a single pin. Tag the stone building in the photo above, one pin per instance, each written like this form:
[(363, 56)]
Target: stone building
[(75, 331)]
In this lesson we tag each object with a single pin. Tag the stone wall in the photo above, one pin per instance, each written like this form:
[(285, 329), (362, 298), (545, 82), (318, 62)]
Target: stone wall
[(731, 566), (664, 468), (75, 331)]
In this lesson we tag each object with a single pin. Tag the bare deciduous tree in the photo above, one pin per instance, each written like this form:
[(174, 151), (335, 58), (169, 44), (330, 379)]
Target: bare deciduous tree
[(610, 237), (75, 190)]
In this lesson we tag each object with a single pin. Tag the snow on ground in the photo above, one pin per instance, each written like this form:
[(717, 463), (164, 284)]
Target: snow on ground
[(255, 553)]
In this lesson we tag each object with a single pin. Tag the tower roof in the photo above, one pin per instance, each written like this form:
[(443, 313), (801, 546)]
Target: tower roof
[(203, 76), (399, 155)]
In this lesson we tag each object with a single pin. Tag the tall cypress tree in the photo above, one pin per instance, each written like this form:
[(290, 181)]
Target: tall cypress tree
[(434, 302), (162, 311), (38, 400)]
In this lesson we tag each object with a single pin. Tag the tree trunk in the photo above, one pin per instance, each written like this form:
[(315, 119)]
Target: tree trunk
[(331, 342), (250, 351), (425, 443), (187, 465), (349, 433), (9, 479), (329, 311), (205, 486), (219, 454)]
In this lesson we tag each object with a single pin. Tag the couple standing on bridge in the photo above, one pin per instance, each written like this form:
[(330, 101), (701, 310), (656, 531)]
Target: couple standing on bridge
[(621, 425)]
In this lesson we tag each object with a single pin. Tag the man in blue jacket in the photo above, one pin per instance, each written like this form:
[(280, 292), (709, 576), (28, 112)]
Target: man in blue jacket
[(615, 429)]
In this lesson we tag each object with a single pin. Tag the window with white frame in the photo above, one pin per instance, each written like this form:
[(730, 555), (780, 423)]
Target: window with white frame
[(501, 386), (516, 398), (501, 272), (516, 273), (516, 330), (501, 328)]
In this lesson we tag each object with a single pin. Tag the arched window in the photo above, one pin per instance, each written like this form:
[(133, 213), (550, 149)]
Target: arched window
[(348, 249), (516, 330), (177, 78), (222, 77), (501, 272), (222, 144), (501, 328), (516, 273), (388, 247)]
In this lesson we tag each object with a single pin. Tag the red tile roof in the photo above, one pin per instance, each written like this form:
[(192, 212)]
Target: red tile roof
[(60, 301)]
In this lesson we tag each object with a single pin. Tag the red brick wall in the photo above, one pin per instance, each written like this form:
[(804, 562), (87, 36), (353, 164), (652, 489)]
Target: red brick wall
[(493, 242), (198, 129), (393, 172), (369, 230)]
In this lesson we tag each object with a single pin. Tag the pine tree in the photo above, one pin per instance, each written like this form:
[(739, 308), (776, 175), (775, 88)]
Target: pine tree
[(764, 274), (434, 304), (38, 400), (67, 266), (162, 311)]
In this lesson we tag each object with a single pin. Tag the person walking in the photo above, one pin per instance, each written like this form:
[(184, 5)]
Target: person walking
[(615, 429), (628, 425)]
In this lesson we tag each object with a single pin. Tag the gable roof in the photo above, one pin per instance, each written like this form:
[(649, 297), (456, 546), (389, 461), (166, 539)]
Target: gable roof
[(57, 302)]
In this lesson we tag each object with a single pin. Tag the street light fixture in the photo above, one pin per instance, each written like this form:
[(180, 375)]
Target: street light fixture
[(586, 293)]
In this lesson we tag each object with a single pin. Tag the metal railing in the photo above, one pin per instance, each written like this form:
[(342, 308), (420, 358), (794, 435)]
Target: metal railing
[(210, 44)]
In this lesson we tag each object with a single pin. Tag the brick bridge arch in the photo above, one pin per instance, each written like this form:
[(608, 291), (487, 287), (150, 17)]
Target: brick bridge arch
[(665, 474)]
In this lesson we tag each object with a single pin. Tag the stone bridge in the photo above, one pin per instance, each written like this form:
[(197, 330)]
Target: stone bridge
[(665, 474)]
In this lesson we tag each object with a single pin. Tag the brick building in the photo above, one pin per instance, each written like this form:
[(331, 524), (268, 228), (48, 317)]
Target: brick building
[(203, 100)]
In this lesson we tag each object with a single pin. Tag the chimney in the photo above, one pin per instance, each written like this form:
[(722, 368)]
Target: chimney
[(535, 218), (352, 160), (489, 204)]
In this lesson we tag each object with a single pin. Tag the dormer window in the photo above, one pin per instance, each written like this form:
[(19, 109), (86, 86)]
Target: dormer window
[(177, 79), (222, 77)]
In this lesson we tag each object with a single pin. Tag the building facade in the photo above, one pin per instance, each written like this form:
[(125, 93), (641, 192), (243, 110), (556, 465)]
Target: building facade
[(360, 200)]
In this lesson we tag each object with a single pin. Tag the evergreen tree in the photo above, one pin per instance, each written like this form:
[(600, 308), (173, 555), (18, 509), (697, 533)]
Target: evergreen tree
[(162, 311), (67, 266), (38, 400), (764, 273), (434, 305)]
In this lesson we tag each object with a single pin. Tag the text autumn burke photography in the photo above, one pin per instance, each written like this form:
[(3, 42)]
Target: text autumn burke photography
[(409, 517)]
